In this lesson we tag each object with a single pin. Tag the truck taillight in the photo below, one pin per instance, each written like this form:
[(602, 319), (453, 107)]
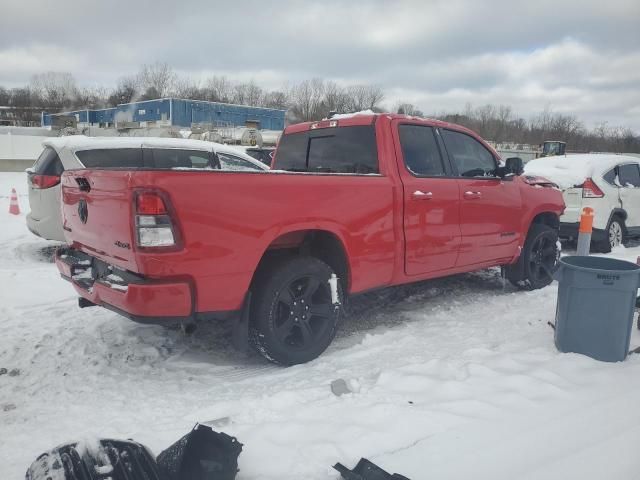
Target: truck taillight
[(154, 226), (148, 203), (591, 190)]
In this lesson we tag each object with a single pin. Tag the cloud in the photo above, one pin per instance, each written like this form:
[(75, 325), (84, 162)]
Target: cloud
[(579, 57)]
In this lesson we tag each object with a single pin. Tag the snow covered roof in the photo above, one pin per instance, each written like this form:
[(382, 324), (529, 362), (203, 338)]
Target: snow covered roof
[(570, 170), (338, 116), (81, 142)]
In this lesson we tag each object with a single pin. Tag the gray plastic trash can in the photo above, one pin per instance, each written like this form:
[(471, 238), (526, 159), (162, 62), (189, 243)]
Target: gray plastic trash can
[(596, 303)]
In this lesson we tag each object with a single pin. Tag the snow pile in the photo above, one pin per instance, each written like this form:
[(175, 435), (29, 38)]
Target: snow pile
[(571, 170), (454, 378), (338, 116)]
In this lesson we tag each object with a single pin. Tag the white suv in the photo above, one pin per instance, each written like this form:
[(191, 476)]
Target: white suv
[(610, 184)]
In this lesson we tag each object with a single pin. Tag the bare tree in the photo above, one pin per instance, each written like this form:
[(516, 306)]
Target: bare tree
[(407, 108), (56, 89), (158, 76), (126, 92), (363, 97), (247, 94), (218, 89), (187, 88), (4, 96), (307, 98), (335, 98), (91, 97), (276, 99)]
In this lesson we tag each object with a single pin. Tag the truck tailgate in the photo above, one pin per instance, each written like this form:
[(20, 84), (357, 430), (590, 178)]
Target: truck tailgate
[(97, 214)]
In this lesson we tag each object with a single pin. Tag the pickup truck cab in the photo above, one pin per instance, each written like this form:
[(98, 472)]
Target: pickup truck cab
[(352, 204)]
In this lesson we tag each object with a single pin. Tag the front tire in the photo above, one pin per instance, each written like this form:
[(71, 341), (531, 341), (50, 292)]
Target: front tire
[(537, 260), (294, 315)]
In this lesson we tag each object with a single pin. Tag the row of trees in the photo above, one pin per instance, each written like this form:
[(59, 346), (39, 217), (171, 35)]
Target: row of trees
[(308, 100), (500, 124)]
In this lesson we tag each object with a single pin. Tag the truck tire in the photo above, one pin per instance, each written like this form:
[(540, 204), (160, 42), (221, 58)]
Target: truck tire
[(295, 311), (537, 260)]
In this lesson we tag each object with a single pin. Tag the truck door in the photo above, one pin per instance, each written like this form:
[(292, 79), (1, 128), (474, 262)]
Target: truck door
[(629, 180), (431, 201), (490, 207)]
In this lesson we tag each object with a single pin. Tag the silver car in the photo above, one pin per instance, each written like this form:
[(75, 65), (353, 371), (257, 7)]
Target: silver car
[(73, 152)]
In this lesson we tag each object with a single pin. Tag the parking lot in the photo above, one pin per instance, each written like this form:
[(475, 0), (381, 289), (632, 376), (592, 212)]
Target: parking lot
[(436, 369)]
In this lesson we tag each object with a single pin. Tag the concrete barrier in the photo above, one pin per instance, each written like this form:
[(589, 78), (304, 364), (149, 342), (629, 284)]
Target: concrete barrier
[(18, 152)]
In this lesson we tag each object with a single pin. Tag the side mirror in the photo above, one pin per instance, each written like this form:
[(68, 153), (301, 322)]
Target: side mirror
[(515, 165)]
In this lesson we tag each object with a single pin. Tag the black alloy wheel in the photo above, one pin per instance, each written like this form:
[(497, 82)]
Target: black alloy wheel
[(295, 310), (303, 312), (540, 254)]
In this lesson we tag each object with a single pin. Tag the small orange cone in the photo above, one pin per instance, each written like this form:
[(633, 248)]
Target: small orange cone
[(14, 208)]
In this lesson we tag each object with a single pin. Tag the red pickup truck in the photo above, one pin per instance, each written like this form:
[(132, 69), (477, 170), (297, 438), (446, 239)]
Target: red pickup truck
[(352, 204)]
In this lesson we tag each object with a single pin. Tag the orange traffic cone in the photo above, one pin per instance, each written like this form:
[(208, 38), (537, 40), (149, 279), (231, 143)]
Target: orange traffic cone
[(14, 208)]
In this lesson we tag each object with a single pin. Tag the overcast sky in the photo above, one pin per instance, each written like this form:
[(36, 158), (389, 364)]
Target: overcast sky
[(578, 57)]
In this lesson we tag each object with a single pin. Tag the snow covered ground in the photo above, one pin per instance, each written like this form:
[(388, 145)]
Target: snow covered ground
[(456, 378)]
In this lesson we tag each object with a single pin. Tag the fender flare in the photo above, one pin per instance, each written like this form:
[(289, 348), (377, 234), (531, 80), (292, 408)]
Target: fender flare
[(620, 212), (328, 227)]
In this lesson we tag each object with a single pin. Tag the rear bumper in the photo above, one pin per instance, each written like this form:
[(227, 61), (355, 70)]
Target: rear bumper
[(131, 295), (569, 231), (47, 228)]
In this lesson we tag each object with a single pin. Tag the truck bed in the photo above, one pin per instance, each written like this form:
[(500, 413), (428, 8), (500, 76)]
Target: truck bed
[(227, 220)]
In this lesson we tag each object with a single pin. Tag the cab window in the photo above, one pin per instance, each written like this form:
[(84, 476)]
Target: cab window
[(468, 155), (420, 150), (329, 150)]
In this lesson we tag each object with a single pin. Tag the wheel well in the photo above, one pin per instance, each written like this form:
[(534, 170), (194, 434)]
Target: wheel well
[(547, 218), (321, 244), (618, 212)]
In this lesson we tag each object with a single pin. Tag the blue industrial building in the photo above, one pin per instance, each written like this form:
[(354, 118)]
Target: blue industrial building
[(176, 112)]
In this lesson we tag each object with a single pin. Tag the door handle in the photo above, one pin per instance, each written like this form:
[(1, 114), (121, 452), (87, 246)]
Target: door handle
[(472, 195), (420, 195)]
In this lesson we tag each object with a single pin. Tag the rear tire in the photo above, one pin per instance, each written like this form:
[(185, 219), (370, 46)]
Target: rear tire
[(293, 316), (614, 235), (537, 260)]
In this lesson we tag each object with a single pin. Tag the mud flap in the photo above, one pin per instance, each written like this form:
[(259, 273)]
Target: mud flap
[(240, 332), (114, 459), (202, 454), (366, 470)]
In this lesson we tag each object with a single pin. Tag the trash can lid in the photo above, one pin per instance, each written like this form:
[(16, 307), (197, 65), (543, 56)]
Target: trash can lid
[(600, 264)]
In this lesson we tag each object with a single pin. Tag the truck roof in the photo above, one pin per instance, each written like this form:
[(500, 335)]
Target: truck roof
[(367, 117)]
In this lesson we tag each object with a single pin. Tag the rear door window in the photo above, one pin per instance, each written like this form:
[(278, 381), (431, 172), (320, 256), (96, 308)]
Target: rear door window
[(420, 150), (48, 163), (470, 157), (177, 158), (111, 158), (162, 158), (629, 175), (329, 150)]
